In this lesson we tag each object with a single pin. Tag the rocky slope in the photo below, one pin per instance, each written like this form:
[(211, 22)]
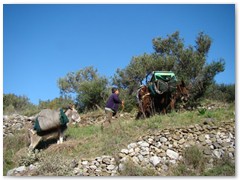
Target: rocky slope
[(159, 151)]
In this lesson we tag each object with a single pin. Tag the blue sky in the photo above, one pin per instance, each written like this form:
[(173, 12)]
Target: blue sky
[(42, 43)]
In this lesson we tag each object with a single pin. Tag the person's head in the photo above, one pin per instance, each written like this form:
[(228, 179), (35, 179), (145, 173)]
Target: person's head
[(115, 90)]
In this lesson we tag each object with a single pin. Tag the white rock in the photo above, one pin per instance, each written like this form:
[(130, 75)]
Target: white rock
[(110, 167), (163, 139), (125, 151), (172, 154), (155, 160), (121, 167), (135, 160), (21, 168), (140, 157), (217, 153), (84, 162), (93, 167), (144, 144), (132, 145)]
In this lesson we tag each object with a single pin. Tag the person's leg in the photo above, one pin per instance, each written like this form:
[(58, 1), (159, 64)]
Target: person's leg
[(115, 115), (108, 118)]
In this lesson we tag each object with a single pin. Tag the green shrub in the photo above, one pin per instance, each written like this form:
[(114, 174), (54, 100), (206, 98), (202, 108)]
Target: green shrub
[(222, 167), (223, 92), (11, 145), (193, 162), (17, 104), (194, 157), (29, 158)]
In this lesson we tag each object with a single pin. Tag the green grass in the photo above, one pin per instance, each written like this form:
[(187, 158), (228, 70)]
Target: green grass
[(222, 167), (11, 145), (194, 164), (90, 141), (122, 132)]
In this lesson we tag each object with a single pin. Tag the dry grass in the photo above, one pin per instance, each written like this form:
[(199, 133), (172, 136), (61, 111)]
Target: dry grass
[(90, 141)]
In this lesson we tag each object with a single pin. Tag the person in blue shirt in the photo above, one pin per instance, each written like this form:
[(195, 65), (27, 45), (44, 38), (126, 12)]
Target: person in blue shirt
[(112, 105)]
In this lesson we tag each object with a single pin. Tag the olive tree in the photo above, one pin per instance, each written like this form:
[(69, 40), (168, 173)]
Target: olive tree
[(170, 54), (88, 86)]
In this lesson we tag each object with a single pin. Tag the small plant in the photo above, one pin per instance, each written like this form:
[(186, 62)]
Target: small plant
[(194, 157), (29, 159), (132, 169), (222, 167), (202, 111), (183, 170), (193, 162), (10, 148)]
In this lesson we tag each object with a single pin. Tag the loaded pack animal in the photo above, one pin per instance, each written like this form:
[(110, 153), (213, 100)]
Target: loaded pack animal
[(181, 95), (166, 101), (51, 124), (160, 94)]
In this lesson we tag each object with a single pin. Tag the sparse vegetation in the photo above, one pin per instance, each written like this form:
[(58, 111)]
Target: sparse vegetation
[(90, 141), (132, 169), (11, 145), (56, 165), (222, 167), (194, 164)]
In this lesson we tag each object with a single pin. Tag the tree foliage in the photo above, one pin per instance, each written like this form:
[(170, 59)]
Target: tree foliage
[(18, 104), (59, 102), (222, 92), (188, 63), (90, 88)]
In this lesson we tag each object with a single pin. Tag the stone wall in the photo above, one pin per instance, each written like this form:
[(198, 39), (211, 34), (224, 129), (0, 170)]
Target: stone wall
[(166, 147), (161, 150), (15, 122), (158, 151)]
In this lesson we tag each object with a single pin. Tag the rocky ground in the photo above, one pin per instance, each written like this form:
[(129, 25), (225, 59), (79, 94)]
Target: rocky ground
[(158, 151)]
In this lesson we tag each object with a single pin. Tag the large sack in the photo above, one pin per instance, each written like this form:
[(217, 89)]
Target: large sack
[(48, 119)]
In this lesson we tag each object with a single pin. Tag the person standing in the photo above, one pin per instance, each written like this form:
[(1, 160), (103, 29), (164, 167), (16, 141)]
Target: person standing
[(112, 105)]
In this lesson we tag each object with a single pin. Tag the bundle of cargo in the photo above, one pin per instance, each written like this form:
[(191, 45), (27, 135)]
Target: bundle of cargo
[(49, 119), (162, 81)]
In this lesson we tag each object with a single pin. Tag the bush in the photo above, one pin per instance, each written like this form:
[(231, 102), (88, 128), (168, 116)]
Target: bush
[(193, 162), (223, 92), (18, 104), (223, 167), (12, 144), (56, 103), (193, 156)]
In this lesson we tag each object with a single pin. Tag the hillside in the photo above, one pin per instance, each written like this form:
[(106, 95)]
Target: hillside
[(154, 146)]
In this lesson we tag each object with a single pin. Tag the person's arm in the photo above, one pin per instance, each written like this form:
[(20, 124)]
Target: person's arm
[(116, 99)]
